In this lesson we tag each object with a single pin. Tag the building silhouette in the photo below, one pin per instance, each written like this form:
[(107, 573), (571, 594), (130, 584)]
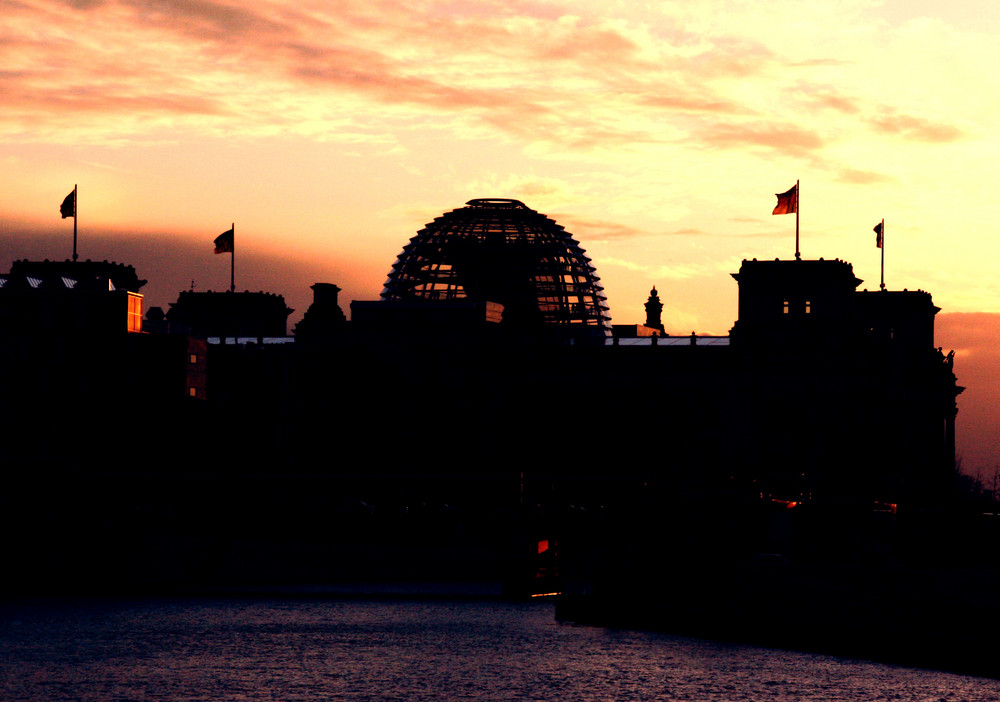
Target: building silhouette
[(482, 419), (230, 314), (324, 320), (81, 297), (479, 407), (74, 355)]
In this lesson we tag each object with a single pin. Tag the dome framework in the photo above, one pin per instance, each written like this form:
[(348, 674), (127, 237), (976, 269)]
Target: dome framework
[(500, 250)]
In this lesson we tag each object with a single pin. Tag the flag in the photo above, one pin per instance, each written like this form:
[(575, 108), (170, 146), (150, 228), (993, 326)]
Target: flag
[(68, 206), (878, 234), (788, 201), (224, 242)]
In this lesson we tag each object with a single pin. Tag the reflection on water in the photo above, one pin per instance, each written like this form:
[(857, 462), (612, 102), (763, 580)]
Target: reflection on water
[(405, 650)]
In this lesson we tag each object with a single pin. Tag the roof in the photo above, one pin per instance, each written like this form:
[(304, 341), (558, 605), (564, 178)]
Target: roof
[(500, 250)]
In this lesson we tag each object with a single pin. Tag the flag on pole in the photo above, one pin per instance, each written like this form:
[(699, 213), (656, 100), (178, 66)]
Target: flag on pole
[(788, 201), (224, 242), (878, 234), (68, 206)]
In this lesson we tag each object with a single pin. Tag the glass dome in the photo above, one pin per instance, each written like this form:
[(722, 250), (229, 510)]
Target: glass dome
[(500, 250)]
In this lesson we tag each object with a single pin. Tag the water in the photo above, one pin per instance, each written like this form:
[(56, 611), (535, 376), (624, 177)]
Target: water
[(312, 650)]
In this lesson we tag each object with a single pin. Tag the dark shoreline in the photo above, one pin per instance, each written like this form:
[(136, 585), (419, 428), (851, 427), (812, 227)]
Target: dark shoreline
[(940, 620)]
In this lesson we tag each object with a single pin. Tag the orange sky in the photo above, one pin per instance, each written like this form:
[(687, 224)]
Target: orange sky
[(330, 132)]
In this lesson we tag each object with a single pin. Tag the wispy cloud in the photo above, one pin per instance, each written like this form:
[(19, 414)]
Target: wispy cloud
[(535, 71), (774, 135), (553, 78), (706, 269), (862, 177), (660, 272), (204, 19), (917, 128), (835, 101), (599, 230)]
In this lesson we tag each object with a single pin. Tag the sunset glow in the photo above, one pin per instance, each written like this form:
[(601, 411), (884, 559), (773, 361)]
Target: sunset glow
[(658, 135)]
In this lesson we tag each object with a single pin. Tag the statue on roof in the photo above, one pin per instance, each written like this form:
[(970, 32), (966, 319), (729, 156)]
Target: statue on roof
[(654, 310)]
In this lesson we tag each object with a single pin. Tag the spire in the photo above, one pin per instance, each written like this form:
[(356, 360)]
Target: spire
[(654, 309)]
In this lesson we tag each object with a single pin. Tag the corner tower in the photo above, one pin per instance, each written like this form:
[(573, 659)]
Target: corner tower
[(797, 302)]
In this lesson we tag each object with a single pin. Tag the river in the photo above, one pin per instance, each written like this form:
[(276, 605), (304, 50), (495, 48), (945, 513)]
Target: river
[(320, 649)]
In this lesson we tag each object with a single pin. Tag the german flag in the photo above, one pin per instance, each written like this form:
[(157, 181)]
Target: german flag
[(68, 206), (788, 201), (224, 242)]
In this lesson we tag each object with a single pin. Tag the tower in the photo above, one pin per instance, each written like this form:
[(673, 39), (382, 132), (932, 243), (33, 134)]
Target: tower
[(654, 311), (798, 303)]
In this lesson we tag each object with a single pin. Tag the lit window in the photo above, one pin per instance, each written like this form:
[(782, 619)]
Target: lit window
[(193, 358), (784, 307), (808, 307), (193, 392), (134, 322)]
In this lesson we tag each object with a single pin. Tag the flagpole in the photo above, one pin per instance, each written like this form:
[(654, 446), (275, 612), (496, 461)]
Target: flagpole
[(76, 201), (798, 206), (882, 285), (232, 262)]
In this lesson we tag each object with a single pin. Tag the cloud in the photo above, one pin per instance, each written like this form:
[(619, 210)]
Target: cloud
[(539, 75), (528, 188), (731, 56), (588, 44), (572, 78), (862, 177), (103, 99), (84, 4), (834, 101), (916, 128), (661, 272), (819, 62), (599, 230), (773, 135), (690, 103), (204, 19)]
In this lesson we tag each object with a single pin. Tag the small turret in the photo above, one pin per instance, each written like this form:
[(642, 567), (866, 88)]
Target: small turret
[(654, 310)]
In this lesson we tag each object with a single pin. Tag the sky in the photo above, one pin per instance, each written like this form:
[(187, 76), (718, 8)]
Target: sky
[(328, 132)]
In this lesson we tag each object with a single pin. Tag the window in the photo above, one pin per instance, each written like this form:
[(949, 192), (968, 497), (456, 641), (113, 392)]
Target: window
[(193, 358), (784, 307), (808, 306), (193, 392), (134, 312)]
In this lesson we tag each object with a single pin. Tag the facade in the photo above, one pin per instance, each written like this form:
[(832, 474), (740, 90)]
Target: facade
[(821, 392), (463, 409), (77, 367), (843, 392), (86, 297), (805, 494)]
